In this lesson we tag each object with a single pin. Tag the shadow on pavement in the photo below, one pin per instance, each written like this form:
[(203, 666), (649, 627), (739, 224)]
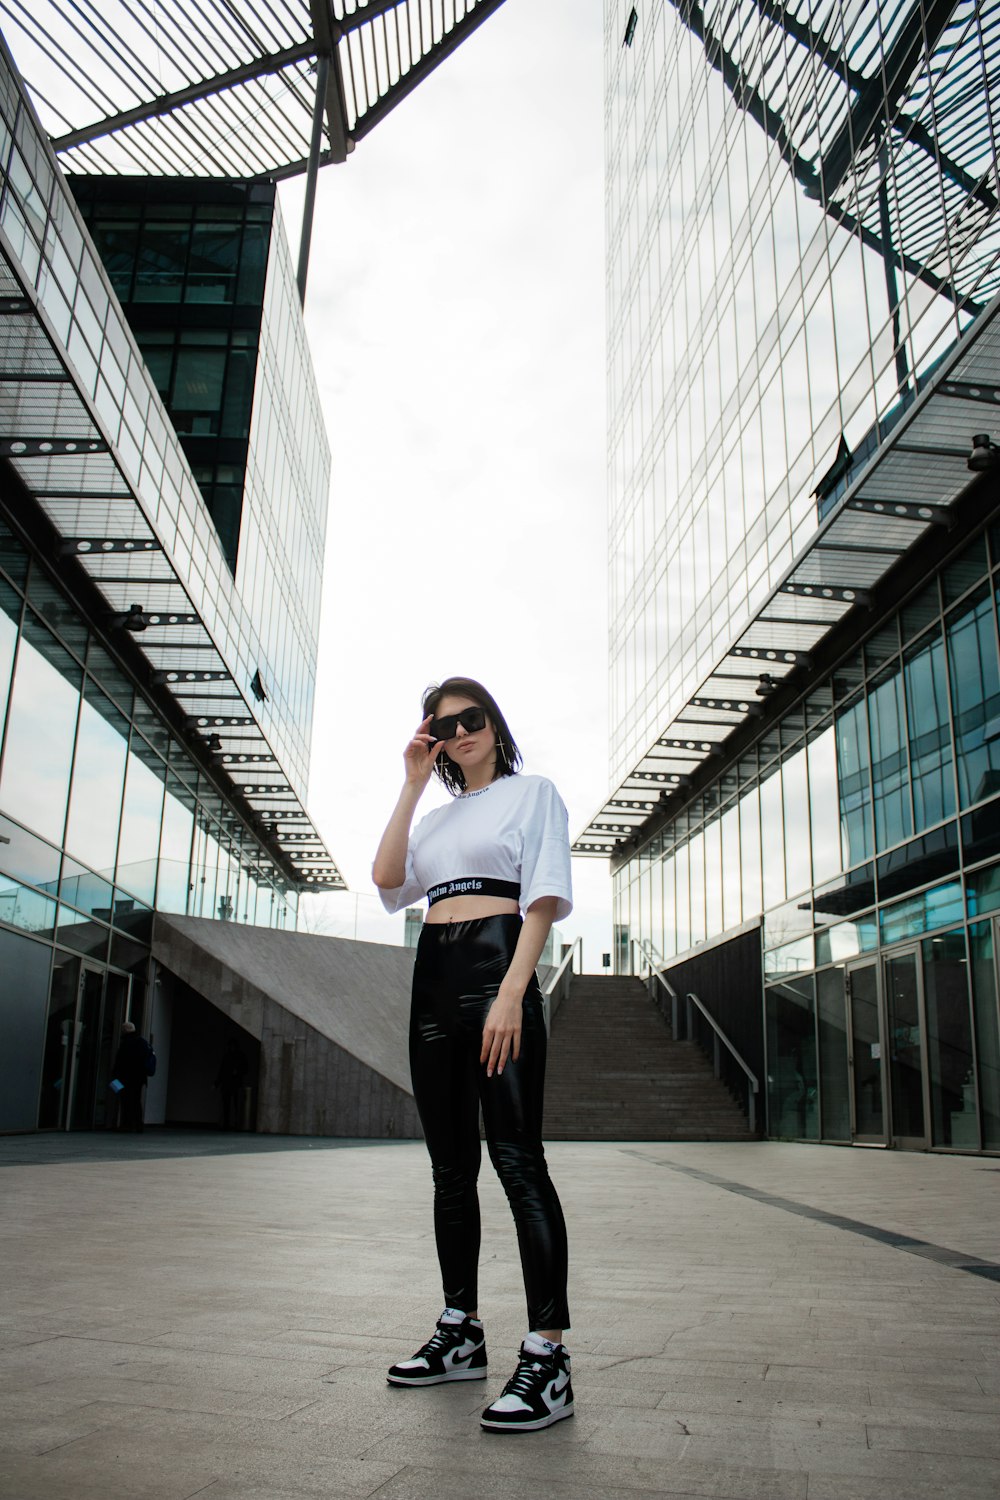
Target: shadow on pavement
[(56, 1147)]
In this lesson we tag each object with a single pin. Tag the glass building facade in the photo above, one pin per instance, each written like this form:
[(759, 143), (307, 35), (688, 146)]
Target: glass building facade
[(187, 260), (803, 236), (159, 769)]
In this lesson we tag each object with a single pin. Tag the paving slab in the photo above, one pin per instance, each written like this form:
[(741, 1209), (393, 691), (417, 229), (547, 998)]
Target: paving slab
[(189, 1314)]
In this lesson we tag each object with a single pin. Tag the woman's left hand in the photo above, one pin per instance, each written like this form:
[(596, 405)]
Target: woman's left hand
[(502, 1032)]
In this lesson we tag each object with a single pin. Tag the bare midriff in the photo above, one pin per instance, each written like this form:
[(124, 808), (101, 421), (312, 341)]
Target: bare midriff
[(468, 908)]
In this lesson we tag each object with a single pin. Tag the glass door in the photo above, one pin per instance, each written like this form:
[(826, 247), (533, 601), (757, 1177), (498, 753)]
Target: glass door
[(907, 1052), (87, 1005), (866, 1054)]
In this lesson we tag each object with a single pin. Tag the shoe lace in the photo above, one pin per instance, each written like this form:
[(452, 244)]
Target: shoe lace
[(525, 1377), (438, 1341)]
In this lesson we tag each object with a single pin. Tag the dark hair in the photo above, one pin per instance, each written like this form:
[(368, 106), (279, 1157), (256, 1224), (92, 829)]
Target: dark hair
[(508, 755)]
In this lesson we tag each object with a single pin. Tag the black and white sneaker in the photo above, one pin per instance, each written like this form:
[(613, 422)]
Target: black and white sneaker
[(457, 1351), (537, 1394)]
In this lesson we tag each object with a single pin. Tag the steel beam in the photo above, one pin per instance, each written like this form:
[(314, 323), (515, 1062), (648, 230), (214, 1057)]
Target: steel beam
[(165, 104)]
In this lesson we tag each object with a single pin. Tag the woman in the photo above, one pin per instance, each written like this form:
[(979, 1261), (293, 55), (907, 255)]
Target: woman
[(477, 1034)]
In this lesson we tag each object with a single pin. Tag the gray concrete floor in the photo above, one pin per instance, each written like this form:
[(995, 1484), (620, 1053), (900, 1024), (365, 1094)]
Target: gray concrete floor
[(212, 1316)]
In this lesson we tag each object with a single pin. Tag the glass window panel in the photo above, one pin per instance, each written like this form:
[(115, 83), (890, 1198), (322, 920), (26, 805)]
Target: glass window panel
[(930, 734), (783, 923), (197, 397), (98, 776), (696, 856), (851, 893), (241, 368), (713, 879), (750, 854), (919, 914), (173, 889), (160, 262), (683, 888), (669, 909), (960, 575), (43, 710), (882, 645), (855, 787), (824, 820), (920, 612), (656, 897), (13, 557), (83, 934), (833, 1065), (889, 766), (954, 1119), (732, 887), (57, 611), (982, 890), (847, 940), (253, 263), (141, 814), (26, 857), (791, 1060), (772, 838), (86, 891), (793, 958), (205, 868), (975, 699), (10, 614), (22, 907), (102, 665), (795, 797), (117, 242), (984, 989), (215, 250)]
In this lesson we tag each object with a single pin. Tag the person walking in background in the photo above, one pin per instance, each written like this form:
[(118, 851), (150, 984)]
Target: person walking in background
[(477, 1031), (132, 1072)]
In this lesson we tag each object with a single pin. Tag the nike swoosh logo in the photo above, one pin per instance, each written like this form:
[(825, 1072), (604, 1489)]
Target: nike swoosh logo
[(461, 1354), (556, 1390)]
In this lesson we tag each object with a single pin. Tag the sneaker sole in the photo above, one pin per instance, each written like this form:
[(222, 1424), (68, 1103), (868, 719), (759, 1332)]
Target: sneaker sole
[(536, 1426), (436, 1379)]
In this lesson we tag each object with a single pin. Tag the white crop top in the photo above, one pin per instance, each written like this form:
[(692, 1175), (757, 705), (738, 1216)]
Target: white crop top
[(516, 829)]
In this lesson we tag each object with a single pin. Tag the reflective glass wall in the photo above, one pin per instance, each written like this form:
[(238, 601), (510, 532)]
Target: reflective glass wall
[(105, 815), (104, 819), (270, 627), (187, 259), (862, 831), (792, 245)]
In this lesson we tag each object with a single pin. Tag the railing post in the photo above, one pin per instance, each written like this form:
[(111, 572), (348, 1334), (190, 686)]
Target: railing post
[(688, 1020), (674, 1014), (715, 1054), (752, 1109)]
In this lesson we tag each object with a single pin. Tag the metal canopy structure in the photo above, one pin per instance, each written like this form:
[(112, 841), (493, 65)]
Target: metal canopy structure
[(905, 490), (209, 88), (818, 87)]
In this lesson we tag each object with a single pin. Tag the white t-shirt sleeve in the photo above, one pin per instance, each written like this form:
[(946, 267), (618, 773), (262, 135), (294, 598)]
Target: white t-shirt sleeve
[(545, 863), (407, 894)]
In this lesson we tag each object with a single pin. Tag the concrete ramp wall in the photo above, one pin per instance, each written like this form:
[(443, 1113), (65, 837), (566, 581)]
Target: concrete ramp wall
[(331, 1016)]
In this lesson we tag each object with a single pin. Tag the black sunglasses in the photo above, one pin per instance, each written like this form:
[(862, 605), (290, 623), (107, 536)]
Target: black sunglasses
[(470, 719)]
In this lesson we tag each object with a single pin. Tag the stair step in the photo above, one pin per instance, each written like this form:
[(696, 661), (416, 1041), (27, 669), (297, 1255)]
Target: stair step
[(616, 1073)]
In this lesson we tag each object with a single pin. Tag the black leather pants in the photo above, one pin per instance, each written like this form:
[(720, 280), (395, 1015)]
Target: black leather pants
[(458, 970)]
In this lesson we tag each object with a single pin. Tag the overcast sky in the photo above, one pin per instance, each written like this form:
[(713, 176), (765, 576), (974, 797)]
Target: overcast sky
[(456, 315)]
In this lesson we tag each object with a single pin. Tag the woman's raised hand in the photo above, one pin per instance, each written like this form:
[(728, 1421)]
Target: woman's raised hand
[(421, 753)]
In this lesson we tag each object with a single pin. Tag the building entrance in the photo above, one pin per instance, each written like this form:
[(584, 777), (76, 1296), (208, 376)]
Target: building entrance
[(887, 1052), (87, 1005)]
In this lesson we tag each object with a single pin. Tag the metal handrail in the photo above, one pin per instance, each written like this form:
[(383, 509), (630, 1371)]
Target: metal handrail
[(719, 1036), (556, 987)]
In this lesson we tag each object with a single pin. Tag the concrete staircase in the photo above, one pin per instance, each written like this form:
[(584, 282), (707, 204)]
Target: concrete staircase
[(616, 1074)]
